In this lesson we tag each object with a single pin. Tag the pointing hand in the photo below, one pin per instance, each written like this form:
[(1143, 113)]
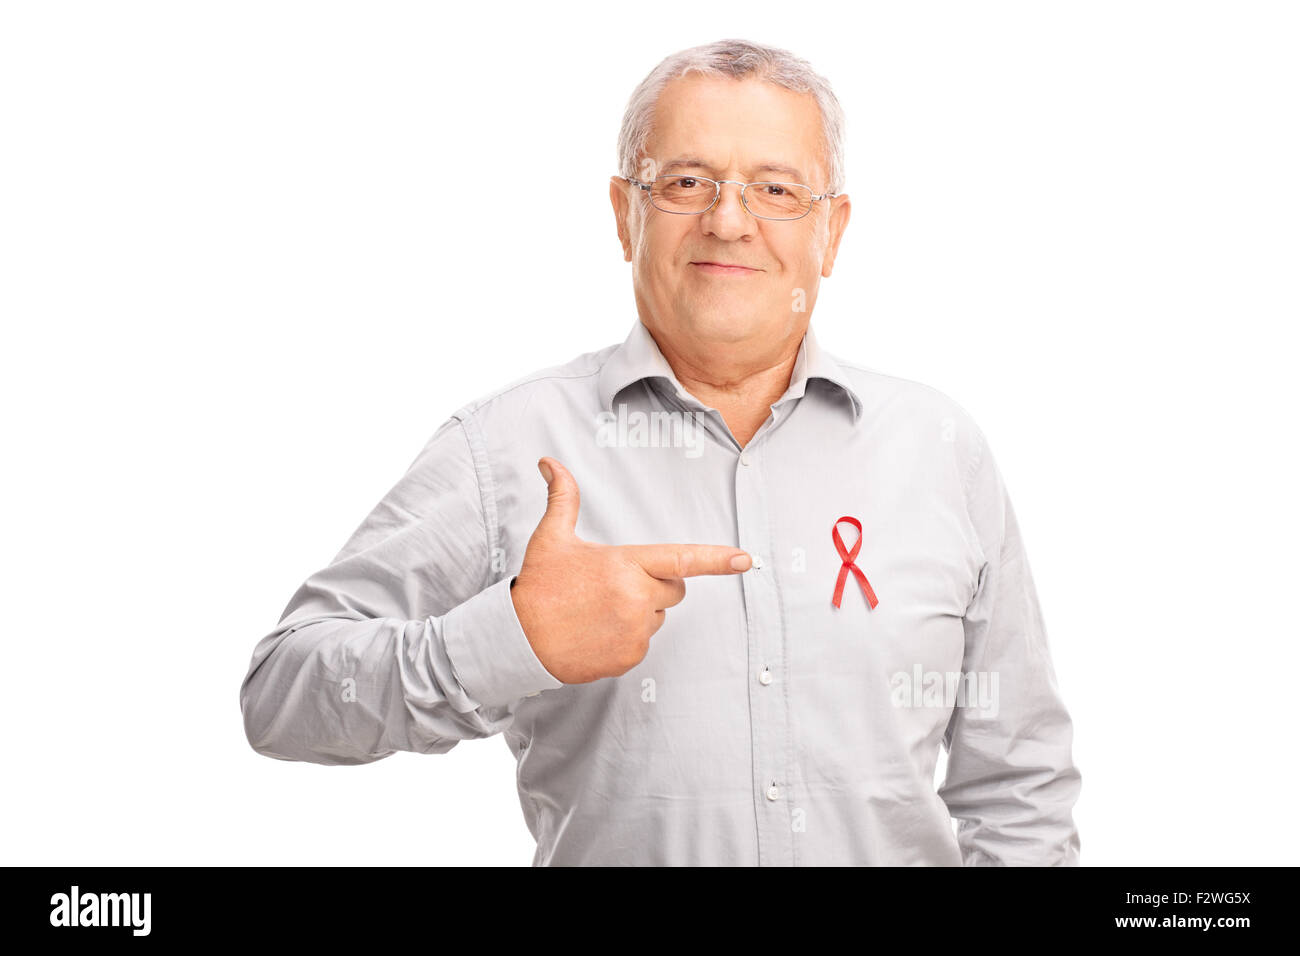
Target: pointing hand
[(590, 609)]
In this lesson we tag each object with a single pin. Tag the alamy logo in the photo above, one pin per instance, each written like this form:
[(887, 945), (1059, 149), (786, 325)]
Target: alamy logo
[(637, 429), (101, 909), (975, 691)]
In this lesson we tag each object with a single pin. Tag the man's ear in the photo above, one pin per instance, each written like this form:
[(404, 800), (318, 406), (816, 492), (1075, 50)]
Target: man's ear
[(840, 210), (618, 187)]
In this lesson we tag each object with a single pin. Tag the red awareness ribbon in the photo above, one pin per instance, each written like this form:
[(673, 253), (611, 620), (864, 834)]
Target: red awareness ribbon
[(848, 565)]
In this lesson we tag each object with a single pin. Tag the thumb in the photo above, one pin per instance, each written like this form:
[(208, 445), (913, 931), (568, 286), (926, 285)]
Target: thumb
[(561, 517)]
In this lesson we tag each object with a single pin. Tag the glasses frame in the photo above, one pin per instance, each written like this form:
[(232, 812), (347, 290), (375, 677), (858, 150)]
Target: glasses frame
[(717, 194)]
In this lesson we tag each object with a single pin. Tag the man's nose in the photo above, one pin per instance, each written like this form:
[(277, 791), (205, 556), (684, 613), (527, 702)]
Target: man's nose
[(728, 219)]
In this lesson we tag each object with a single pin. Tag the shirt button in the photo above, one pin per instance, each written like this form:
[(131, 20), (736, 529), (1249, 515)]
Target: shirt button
[(758, 561), (765, 678), (745, 459), (774, 792)]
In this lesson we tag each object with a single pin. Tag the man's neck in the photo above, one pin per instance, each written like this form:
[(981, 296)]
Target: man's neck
[(740, 381)]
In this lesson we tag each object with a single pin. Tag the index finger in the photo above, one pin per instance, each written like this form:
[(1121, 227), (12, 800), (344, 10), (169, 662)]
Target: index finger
[(688, 560)]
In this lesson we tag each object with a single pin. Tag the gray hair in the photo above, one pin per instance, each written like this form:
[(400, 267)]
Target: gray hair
[(736, 59)]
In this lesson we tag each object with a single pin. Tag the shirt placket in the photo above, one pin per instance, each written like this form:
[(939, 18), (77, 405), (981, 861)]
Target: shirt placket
[(770, 729), (768, 702)]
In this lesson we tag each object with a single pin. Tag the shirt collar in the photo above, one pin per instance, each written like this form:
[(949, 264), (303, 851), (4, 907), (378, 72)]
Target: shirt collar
[(639, 358)]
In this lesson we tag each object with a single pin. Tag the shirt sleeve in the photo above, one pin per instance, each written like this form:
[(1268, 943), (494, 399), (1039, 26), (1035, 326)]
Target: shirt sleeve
[(409, 639), (1011, 782)]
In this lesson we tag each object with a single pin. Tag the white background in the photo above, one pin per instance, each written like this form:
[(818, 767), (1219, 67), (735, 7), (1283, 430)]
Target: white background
[(253, 254)]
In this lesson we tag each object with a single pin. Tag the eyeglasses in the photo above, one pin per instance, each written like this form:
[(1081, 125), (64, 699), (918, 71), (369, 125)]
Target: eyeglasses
[(693, 195)]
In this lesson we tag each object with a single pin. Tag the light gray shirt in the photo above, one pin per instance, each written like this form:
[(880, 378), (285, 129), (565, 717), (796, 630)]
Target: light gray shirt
[(766, 725)]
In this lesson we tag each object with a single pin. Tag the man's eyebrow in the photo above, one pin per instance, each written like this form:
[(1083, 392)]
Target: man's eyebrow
[(779, 169)]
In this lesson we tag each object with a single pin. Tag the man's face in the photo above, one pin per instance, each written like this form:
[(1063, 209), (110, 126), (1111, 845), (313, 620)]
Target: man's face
[(746, 130)]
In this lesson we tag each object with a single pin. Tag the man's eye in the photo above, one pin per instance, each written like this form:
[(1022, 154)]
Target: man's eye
[(685, 182), (774, 190)]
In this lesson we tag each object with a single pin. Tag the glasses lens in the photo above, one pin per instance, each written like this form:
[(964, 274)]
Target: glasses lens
[(682, 194), (778, 200)]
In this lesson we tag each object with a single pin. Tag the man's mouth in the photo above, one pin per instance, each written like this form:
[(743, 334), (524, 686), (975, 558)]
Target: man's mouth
[(724, 269)]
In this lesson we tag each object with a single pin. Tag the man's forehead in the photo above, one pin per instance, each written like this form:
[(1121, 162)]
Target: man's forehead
[(698, 164), (708, 124)]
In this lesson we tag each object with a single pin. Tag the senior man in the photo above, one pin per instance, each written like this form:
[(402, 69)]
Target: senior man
[(859, 591)]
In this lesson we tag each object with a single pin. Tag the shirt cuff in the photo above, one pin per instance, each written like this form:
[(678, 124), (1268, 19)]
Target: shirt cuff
[(490, 652)]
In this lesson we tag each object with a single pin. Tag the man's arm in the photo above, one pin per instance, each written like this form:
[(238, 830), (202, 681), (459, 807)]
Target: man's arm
[(409, 640), (1011, 781)]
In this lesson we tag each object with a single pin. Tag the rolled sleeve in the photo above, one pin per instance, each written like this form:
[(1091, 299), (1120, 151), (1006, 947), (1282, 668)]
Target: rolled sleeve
[(493, 659)]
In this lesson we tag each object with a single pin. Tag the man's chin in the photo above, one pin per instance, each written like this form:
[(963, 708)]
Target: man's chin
[(726, 321)]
